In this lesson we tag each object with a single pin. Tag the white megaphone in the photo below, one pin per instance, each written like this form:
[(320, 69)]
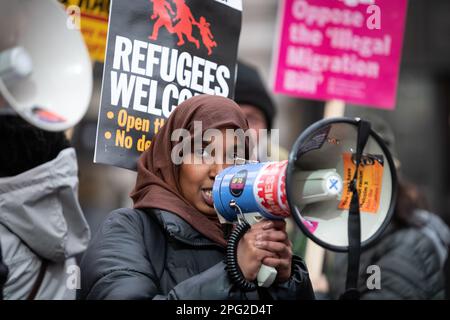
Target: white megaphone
[(45, 69), (339, 185)]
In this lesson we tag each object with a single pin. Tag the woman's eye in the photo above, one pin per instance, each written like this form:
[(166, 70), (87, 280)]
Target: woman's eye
[(199, 152), (232, 155), (202, 153)]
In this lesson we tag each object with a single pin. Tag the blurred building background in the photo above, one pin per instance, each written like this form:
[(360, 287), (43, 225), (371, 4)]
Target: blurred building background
[(420, 121)]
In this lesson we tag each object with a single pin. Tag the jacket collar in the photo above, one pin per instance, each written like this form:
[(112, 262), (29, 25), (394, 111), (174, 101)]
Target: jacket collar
[(176, 227)]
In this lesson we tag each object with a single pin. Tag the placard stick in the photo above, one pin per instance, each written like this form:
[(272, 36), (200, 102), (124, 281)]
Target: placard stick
[(334, 108), (315, 255)]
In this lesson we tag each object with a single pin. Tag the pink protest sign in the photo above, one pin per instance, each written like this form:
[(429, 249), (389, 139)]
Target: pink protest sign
[(341, 49)]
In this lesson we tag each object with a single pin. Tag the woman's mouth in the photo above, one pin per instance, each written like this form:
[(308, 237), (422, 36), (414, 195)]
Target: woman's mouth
[(207, 197)]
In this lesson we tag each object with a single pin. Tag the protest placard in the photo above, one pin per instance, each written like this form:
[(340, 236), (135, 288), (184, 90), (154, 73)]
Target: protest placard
[(159, 54), (91, 17), (348, 50)]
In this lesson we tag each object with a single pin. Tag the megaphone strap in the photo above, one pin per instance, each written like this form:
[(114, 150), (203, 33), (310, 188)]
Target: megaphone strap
[(354, 219)]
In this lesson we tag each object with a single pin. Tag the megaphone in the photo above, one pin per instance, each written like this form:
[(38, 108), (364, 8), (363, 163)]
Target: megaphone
[(45, 69), (339, 185)]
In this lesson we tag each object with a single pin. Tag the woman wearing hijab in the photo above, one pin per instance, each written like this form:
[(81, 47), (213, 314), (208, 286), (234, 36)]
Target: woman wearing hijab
[(171, 245)]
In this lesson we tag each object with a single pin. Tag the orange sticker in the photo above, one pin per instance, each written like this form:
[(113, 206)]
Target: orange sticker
[(370, 177)]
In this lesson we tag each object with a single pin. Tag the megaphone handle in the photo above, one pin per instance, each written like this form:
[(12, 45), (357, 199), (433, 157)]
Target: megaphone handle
[(266, 276)]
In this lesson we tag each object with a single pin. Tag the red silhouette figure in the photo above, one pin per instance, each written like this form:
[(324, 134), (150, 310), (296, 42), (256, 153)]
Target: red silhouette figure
[(161, 10), (184, 26), (207, 36)]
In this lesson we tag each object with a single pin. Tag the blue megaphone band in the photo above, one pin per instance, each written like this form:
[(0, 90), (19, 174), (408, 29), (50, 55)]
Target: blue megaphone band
[(256, 187)]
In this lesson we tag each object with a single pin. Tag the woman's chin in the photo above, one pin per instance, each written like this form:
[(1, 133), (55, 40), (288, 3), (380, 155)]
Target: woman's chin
[(207, 210)]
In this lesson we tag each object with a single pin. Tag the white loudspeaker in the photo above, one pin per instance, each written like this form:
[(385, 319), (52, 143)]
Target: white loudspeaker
[(45, 68)]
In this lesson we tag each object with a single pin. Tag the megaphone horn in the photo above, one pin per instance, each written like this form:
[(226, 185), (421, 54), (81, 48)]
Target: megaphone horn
[(45, 69)]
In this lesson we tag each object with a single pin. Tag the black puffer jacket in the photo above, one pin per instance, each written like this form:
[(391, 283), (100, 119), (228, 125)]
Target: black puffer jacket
[(157, 255), (3, 274), (410, 261)]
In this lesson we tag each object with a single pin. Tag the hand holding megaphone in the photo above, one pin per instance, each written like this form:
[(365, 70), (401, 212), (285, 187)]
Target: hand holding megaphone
[(329, 162), (264, 240)]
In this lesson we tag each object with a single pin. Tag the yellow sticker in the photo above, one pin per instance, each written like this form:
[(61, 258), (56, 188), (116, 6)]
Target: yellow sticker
[(93, 22), (370, 178)]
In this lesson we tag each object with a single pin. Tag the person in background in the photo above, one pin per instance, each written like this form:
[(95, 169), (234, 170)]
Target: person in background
[(447, 278), (411, 252), (42, 227), (3, 274), (258, 106), (171, 245), (254, 99)]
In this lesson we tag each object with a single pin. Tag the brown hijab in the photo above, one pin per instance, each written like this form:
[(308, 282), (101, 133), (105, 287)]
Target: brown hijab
[(157, 183)]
